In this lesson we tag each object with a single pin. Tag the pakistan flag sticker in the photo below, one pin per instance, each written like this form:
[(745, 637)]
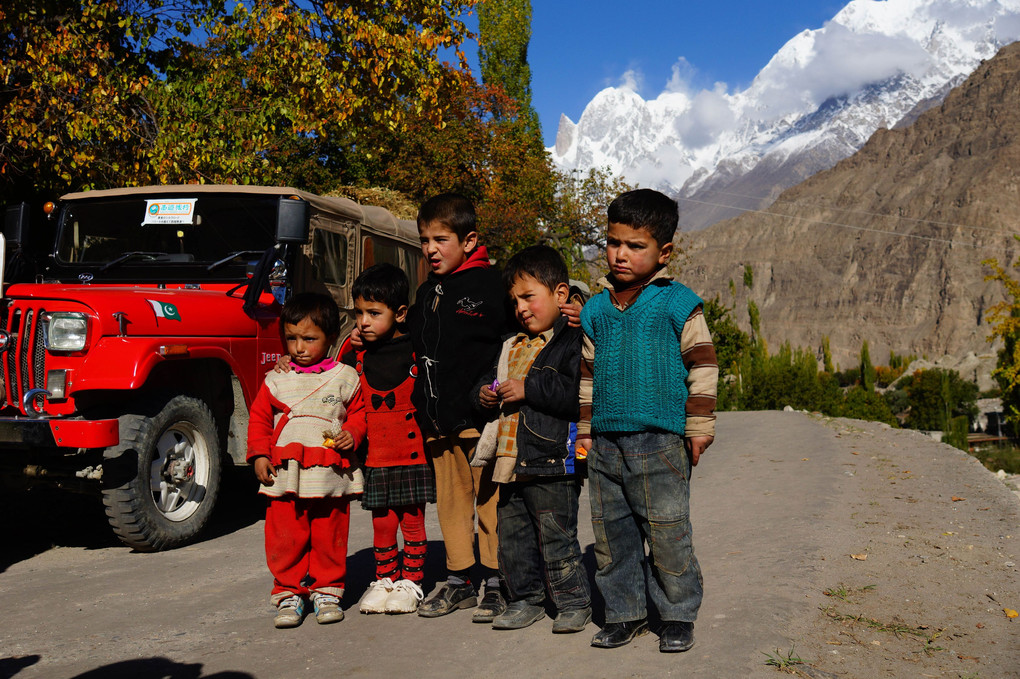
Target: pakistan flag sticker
[(164, 310)]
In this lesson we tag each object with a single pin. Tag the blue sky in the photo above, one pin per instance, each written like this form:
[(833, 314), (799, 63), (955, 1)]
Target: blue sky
[(580, 47)]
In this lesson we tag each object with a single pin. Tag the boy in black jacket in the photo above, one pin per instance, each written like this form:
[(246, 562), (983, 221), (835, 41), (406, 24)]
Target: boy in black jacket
[(456, 323), (536, 378)]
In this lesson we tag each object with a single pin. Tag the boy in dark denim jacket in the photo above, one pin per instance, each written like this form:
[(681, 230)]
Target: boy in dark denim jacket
[(535, 386)]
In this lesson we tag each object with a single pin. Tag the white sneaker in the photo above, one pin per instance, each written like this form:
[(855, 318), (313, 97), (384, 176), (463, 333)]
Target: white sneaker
[(375, 597), (405, 597)]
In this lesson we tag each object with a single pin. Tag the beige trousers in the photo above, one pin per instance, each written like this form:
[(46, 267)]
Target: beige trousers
[(462, 491)]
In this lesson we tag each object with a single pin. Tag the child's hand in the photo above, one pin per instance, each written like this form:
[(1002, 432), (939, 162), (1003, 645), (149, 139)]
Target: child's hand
[(572, 310), (355, 338), (282, 364), (344, 441), (487, 397), (511, 391), (696, 446), (264, 471), (583, 442)]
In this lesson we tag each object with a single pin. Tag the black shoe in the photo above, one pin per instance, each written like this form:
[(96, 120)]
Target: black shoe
[(676, 637), (616, 634), (449, 599), (491, 605)]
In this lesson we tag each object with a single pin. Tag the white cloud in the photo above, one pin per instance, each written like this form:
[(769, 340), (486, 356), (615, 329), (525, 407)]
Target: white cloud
[(632, 79), (710, 114), (842, 62), (682, 75), (1007, 28)]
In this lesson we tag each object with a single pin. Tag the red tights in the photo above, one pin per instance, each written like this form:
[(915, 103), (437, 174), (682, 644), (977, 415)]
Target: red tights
[(411, 521)]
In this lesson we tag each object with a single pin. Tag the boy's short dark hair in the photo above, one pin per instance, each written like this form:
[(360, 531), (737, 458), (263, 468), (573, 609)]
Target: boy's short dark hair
[(541, 262), (320, 309), (647, 209), (384, 283), (452, 210)]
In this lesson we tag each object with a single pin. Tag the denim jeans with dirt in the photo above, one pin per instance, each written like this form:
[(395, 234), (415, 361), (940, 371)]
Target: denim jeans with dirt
[(640, 492), (537, 523)]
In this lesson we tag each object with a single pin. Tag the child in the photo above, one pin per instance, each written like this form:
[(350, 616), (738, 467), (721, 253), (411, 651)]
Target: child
[(456, 324), (398, 480), (537, 379), (303, 426), (655, 375)]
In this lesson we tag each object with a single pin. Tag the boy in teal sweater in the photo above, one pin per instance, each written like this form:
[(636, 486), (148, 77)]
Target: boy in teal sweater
[(649, 372)]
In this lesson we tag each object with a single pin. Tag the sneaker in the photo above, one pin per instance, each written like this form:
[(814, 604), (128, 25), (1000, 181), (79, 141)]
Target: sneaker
[(518, 615), (289, 612), (374, 599), (405, 597), (327, 608), (491, 605), (448, 599), (571, 621)]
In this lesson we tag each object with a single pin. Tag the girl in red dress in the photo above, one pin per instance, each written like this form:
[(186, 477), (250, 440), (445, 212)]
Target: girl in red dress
[(398, 479)]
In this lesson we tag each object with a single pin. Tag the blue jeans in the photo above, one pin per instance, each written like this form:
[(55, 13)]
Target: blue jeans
[(640, 493), (537, 525)]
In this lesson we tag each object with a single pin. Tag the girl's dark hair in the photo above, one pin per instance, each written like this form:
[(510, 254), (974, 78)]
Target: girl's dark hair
[(383, 283), (541, 262), (320, 309), (452, 210), (647, 209)]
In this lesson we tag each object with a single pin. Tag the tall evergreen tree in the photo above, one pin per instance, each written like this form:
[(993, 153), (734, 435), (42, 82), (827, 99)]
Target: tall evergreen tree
[(504, 28)]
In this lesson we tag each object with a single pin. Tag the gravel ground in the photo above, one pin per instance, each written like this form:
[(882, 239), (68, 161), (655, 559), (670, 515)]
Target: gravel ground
[(861, 550)]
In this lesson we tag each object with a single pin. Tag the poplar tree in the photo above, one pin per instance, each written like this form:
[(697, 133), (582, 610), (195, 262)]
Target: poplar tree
[(504, 28)]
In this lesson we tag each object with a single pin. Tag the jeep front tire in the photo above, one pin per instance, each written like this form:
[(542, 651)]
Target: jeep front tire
[(161, 482)]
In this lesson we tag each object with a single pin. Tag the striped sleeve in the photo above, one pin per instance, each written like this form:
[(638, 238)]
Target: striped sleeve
[(702, 375), (587, 381)]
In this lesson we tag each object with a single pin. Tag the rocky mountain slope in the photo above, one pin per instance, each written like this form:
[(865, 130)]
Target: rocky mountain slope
[(817, 101), (887, 245)]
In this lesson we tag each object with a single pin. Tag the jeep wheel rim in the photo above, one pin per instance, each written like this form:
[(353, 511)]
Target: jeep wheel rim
[(179, 471)]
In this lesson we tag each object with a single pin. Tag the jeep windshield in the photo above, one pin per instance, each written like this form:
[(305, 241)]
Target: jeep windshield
[(164, 235)]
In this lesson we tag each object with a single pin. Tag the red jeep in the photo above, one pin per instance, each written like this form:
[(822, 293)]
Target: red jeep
[(136, 326)]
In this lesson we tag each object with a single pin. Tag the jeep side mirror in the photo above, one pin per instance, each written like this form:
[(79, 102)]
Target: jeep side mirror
[(292, 221), (16, 223)]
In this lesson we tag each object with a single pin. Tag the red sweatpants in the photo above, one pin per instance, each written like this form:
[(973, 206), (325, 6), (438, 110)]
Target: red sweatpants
[(307, 536)]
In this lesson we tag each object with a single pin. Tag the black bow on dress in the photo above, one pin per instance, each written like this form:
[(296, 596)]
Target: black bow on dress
[(389, 399)]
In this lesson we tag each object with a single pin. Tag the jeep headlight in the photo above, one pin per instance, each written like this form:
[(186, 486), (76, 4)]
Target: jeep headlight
[(67, 331)]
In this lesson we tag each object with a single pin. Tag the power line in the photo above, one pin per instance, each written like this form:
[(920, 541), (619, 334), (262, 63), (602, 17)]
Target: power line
[(856, 212), (932, 239)]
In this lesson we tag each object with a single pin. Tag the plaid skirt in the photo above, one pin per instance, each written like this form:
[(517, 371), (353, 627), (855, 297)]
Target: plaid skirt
[(390, 487)]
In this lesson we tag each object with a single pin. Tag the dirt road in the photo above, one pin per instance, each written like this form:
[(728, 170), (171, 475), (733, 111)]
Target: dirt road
[(864, 551)]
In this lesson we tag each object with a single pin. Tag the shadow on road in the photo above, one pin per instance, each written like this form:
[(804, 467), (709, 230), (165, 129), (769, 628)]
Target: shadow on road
[(156, 667), (40, 519), (11, 666)]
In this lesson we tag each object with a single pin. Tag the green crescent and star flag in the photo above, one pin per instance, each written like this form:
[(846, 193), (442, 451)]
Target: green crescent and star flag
[(164, 310)]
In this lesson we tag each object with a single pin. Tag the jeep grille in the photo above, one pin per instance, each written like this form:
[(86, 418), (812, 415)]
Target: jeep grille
[(24, 364)]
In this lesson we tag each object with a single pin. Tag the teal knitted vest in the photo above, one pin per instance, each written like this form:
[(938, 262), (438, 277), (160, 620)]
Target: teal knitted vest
[(640, 378)]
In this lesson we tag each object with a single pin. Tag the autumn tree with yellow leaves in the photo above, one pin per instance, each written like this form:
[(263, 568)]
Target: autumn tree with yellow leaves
[(101, 93), (1005, 320)]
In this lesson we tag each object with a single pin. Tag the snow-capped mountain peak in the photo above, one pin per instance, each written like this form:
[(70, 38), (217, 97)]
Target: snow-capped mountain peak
[(818, 100)]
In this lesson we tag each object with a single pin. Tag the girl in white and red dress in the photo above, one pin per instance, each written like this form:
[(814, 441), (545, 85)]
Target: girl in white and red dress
[(398, 479), (303, 429)]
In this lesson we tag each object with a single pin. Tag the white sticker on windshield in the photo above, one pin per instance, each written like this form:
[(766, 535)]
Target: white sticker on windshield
[(177, 211)]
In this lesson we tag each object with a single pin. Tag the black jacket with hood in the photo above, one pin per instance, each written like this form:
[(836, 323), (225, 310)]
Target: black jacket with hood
[(456, 325)]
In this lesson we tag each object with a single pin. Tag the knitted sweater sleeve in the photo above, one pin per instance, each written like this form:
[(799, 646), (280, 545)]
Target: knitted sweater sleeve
[(702, 374), (355, 422), (260, 425)]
